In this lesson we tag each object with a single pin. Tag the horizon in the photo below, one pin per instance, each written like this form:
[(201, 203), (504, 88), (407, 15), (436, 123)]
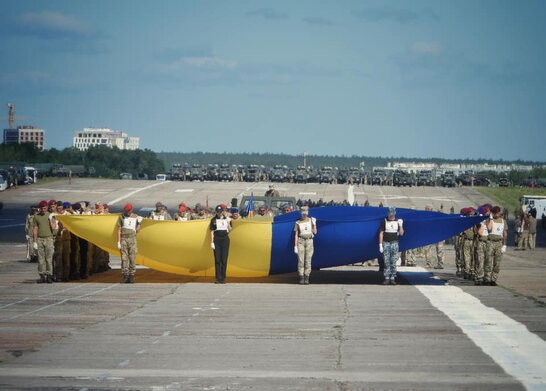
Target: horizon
[(426, 78)]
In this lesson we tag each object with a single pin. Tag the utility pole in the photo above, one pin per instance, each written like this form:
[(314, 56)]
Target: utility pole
[(305, 159)]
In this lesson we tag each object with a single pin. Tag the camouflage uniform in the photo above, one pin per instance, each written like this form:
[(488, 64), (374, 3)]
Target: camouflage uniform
[(304, 228), (459, 260), (440, 254), (482, 253), (427, 253), (31, 253), (496, 239), (45, 245), (467, 249), (128, 226), (160, 215)]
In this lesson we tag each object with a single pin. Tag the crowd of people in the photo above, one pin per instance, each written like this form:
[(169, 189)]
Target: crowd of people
[(62, 256)]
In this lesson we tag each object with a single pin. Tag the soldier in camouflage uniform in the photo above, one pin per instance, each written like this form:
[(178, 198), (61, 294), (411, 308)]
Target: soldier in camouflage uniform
[(42, 232), (482, 248), (160, 213), (182, 214), (467, 247), (498, 229), (32, 256), (128, 227), (199, 213)]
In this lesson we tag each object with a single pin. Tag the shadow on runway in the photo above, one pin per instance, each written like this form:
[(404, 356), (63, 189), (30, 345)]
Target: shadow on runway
[(366, 276)]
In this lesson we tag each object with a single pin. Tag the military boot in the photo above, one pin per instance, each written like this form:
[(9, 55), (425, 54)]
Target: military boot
[(302, 280), (306, 280), (131, 279), (41, 280), (125, 280), (49, 279)]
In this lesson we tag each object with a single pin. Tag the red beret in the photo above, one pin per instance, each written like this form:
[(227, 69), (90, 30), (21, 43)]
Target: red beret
[(128, 207), (495, 209), (42, 204), (52, 202)]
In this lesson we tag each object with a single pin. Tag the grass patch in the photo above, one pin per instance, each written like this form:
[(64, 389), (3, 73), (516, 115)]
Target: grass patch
[(508, 197)]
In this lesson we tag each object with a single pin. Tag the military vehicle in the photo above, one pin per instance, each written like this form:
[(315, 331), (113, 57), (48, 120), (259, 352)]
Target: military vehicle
[(275, 204), (279, 173), (212, 172), (482, 179), (252, 173), (226, 173), (177, 172), (342, 176), (504, 182), (355, 175), (76, 170), (466, 178), (301, 175), (197, 173), (379, 177), (125, 175), (313, 175), (402, 178), (448, 179), (327, 175), (425, 178)]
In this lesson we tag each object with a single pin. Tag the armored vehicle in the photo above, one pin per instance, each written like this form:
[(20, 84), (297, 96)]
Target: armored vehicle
[(504, 182), (301, 175), (379, 177), (279, 173), (355, 175), (226, 173), (402, 178), (252, 173), (275, 204), (212, 172), (327, 175), (425, 178), (448, 179), (177, 172), (466, 178), (197, 173)]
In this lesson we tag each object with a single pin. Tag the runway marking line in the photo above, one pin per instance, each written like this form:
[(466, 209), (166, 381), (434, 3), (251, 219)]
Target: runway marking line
[(137, 191), (38, 297), (519, 352)]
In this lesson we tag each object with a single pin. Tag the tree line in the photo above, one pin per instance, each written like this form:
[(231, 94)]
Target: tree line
[(107, 162)]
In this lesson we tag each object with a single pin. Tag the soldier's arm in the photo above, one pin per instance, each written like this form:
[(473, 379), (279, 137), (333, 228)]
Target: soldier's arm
[(380, 237), (35, 232), (296, 235), (401, 231)]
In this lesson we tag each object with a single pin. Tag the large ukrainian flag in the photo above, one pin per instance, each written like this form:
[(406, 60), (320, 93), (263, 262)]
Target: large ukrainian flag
[(259, 248)]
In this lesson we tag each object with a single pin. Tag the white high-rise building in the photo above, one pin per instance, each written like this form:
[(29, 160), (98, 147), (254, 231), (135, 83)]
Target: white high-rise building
[(88, 137)]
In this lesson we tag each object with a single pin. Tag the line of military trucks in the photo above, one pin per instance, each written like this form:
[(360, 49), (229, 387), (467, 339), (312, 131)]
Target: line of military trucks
[(331, 175)]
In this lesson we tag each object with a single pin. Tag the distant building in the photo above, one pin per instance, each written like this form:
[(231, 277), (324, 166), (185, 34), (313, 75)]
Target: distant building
[(25, 134), (89, 137)]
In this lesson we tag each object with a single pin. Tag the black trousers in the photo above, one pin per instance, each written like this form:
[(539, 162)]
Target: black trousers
[(221, 251)]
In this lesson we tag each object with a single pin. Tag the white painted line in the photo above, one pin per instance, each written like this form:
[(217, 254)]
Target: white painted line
[(183, 190), (350, 195), (166, 333), (39, 191), (136, 191), (141, 351), (509, 343), (307, 193), (12, 225), (124, 363)]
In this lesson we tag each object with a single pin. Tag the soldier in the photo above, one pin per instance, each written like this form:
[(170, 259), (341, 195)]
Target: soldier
[(532, 229), (51, 206), (66, 250), (42, 232), (285, 209), (272, 192), (427, 250), (75, 253), (235, 214), (220, 226), (199, 213), (304, 231), (128, 227), (391, 228), (482, 248), (58, 243), (32, 256), (467, 247), (523, 229), (160, 213), (182, 214), (497, 228)]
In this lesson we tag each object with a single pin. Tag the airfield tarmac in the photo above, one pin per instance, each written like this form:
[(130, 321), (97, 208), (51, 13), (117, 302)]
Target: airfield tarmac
[(345, 331)]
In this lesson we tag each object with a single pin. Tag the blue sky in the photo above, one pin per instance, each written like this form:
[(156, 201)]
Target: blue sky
[(452, 79)]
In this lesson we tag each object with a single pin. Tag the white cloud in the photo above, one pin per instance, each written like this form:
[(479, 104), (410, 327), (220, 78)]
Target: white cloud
[(422, 47), (52, 24)]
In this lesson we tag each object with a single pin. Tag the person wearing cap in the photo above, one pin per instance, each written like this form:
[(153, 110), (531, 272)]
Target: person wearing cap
[(234, 213), (220, 226), (199, 213), (391, 228), (467, 246), (285, 209), (128, 227), (272, 192), (51, 206), (58, 271), (32, 256), (65, 245), (160, 212), (182, 213), (498, 229), (304, 231), (42, 232), (482, 246), (427, 250), (532, 238)]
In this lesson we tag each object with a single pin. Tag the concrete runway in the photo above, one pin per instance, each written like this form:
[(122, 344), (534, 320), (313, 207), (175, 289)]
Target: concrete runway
[(345, 331)]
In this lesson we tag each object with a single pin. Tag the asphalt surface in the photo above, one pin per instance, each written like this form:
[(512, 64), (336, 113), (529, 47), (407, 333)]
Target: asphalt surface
[(345, 331)]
